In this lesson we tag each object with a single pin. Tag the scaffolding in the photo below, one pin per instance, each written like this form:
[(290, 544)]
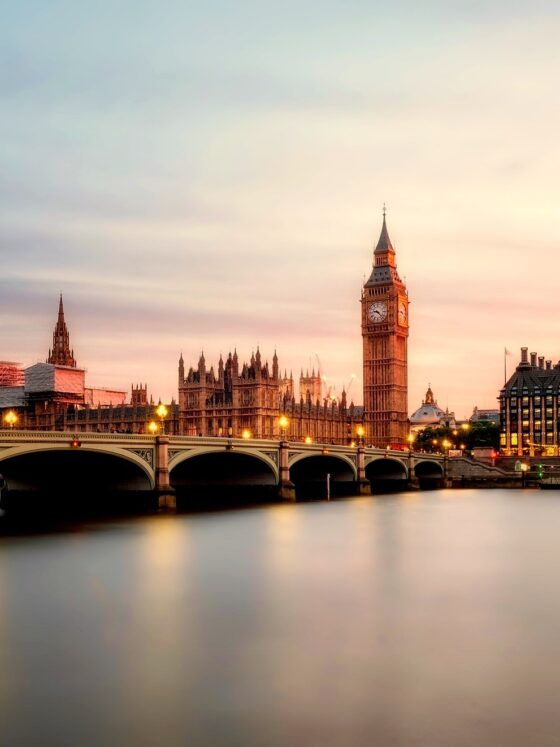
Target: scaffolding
[(11, 374)]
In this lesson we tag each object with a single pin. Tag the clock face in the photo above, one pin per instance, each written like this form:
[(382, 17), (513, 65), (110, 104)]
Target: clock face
[(377, 311), (402, 312)]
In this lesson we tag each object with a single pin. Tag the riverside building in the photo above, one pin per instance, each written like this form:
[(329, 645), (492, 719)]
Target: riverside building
[(530, 408)]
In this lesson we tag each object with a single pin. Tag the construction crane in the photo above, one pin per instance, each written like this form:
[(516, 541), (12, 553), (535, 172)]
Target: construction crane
[(330, 389), (349, 385)]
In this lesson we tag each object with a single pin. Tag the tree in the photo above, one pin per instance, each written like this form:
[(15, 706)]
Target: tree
[(480, 433)]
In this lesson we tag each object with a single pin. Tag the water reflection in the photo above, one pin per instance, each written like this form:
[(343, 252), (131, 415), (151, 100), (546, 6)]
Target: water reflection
[(390, 621)]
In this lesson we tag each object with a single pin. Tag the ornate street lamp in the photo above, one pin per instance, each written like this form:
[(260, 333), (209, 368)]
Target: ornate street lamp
[(308, 440), (283, 422), (153, 427), (246, 434), (360, 432), (161, 412)]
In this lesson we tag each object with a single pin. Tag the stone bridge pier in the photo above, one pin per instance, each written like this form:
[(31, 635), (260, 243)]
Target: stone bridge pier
[(165, 493), (286, 488), (364, 485)]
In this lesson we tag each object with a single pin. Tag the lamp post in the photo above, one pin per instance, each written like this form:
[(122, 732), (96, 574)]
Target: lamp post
[(283, 422), (360, 431), (11, 418), (410, 439), (161, 412)]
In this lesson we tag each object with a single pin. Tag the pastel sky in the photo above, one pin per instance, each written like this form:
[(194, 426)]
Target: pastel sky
[(212, 174)]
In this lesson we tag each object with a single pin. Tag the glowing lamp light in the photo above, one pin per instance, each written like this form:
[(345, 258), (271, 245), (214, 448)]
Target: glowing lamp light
[(75, 444), (153, 427), (360, 430), (352, 444), (283, 422), (10, 418), (161, 412), (465, 426), (308, 440), (246, 434), (410, 438)]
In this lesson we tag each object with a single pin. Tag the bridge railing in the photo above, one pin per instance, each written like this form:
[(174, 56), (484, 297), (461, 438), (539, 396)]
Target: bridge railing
[(9, 435), (13, 435)]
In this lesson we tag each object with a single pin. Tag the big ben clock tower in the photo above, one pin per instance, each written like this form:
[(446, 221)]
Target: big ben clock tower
[(385, 335)]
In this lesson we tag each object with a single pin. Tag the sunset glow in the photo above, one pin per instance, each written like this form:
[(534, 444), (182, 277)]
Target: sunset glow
[(215, 177)]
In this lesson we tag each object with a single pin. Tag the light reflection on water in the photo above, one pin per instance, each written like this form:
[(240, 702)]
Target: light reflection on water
[(432, 620)]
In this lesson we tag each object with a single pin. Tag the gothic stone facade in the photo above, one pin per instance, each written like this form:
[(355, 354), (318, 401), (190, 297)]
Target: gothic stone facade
[(249, 398)]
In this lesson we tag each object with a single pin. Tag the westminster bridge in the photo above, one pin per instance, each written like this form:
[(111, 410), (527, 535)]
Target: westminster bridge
[(171, 467)]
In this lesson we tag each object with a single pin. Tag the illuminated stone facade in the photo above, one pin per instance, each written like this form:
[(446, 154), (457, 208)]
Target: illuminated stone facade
[(530, 408), (248, 399)]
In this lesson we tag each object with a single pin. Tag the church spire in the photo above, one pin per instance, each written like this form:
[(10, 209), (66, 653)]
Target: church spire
[(384, 243), (61, 354), (384, 259)]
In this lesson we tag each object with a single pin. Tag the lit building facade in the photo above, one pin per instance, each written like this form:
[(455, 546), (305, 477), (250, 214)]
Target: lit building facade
[(530, 408), (247, 399)]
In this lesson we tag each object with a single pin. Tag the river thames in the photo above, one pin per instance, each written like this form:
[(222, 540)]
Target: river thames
[(428, 618)]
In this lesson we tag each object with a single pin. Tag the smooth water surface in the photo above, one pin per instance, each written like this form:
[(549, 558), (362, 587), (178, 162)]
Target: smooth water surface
[(415, 619)]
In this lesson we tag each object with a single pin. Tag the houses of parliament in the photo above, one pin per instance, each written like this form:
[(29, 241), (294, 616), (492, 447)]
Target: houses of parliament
[(235, 398)]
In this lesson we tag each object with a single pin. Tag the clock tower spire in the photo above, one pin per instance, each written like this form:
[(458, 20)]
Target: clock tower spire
[(385, 337)]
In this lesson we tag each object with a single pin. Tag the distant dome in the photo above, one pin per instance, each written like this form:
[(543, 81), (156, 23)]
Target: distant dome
[(430, 414), (427, 415)]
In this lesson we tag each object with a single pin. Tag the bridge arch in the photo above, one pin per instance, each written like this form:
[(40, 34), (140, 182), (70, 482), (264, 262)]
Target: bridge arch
[(429, 473), (44, 476), (193, 453), (309, 472), (220, 475), (35, 448), (387, 474)]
